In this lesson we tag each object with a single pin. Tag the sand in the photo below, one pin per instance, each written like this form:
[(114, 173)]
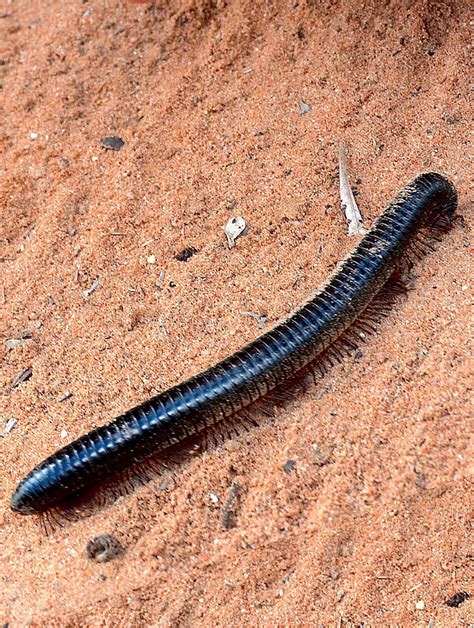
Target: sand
[(370, 523)]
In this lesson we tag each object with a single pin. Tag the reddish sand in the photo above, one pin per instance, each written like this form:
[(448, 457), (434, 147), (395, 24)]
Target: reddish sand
[(372, 524)]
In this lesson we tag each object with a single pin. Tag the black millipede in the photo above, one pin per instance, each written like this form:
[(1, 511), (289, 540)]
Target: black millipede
[(312, 334)]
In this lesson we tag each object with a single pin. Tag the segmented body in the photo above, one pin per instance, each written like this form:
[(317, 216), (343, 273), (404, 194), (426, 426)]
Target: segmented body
[(251, 373)]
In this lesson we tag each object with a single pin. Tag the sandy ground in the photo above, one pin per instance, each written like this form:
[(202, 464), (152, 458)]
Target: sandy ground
[(372, 523)]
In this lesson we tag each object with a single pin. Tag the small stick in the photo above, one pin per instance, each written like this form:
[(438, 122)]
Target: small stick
[(261, 319), (87, 293), (347, 197), (228, 512), (20, 378)]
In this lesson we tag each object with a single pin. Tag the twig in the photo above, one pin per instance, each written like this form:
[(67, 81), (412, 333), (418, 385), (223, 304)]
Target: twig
[(9, 425), (87, 293), (261, 319), (20, 378), (228, 510), (347, 197)]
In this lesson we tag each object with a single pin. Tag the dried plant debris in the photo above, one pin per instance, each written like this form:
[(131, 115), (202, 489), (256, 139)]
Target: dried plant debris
[(13, 343), (10, 424), (235, 228), (261, 319), (321, 454), (188, 252), (23, 376), (112, 142), (214, 498), (347, 197), (304, 107), (457, 599), (87, 293), (229, 517), (103, 548), (19, 341), (160, 280)]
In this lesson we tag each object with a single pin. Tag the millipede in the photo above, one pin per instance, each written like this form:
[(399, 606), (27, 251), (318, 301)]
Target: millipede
[(349, 305)]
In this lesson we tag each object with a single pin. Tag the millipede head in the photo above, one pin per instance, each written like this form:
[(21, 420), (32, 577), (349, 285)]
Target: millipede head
[(443, 197)]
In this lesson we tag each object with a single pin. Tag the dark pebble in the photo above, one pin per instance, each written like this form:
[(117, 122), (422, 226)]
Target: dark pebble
[(112, 142), (289, 466), (188, 252), (457, 599), (103, 548)]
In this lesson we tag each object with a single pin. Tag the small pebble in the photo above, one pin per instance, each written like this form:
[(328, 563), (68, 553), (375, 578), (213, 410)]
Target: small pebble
[(19, 341), (151, 259), (235, 228), (457, 599), (112, 142), (63, 434), (103, 548), (357, 355), (304, 107), (420, 605), (13, 343), (214, 499), (289, 466), (340, 595), (321, 454), (34, 135)]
